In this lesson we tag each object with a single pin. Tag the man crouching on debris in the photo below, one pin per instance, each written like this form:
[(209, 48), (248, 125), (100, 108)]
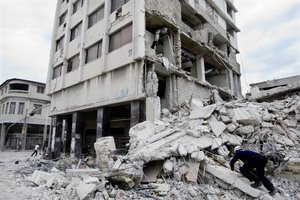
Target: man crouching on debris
[(253, 168)]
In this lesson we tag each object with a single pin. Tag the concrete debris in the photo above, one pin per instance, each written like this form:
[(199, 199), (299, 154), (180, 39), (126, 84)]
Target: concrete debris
[(104, 148), (203, 112), (186, 154), (85, 191)]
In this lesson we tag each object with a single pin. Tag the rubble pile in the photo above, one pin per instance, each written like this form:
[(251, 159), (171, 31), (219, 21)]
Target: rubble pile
[(186, 155)]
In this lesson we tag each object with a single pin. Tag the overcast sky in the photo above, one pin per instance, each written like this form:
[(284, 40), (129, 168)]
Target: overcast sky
[(269, 40)]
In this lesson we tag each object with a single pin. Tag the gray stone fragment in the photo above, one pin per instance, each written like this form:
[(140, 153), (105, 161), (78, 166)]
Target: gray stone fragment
[(203, 113), (85, 191)]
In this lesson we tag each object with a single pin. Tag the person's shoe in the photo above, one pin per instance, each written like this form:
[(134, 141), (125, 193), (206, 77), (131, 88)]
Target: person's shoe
[(256, 184), (273, 192)]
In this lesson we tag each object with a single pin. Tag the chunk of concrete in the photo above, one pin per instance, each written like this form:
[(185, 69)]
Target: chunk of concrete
[(162, 189), (246, 116), (85, 191), (231, 127), (246, 129), (140, 132), (192, 172), (216, 126), (232, 178), (104, 148), (168, 166), (89, 180), (203, 112), (181, 150), (39, 177), (82, 172)]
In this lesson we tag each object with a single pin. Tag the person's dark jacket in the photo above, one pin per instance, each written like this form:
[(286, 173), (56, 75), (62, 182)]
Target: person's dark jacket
[(243, 155)]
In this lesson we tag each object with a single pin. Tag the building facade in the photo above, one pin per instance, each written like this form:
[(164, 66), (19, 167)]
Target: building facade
[(115, 63), (20, 128)]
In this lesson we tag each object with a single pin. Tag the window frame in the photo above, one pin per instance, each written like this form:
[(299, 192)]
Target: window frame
[(21, 112), (62, 19), (77, 5), (40, 89), (97, 15), (12, 108), (60, 43), (98, 53), (55, 70), (123, 40), (76, 31), (71, 66), (37, 106), (115, 6)]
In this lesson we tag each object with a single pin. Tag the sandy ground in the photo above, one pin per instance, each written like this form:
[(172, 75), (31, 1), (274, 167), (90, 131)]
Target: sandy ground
[(8, 173)]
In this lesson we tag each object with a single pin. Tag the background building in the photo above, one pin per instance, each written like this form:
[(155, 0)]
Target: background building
[(18, 98), (115, 63)]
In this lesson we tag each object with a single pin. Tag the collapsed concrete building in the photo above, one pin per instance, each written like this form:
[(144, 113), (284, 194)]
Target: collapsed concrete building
[(18, 99), (114, 64), (274, 89)]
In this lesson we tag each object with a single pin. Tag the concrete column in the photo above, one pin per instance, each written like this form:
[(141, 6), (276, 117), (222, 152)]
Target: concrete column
[(64, 135), (3, 136), (76, 150), (99, 130), (231, 81), (200, 68), (177, 46), (135, 113), (57, 136), (152, 108), (54, 119)]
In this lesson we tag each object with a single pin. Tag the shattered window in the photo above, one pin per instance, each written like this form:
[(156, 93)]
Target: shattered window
[(120, 38)]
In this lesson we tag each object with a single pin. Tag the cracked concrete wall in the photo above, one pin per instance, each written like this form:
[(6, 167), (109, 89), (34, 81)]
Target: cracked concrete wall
[(188, 88), (171, 9)]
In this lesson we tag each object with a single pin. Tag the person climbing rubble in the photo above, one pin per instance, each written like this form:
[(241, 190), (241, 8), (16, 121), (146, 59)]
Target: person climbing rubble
[(35, 152), (253, 168)]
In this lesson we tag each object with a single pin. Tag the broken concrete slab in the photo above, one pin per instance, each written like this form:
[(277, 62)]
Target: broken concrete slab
[(162, 189), (245, 129), (82, 172), (104, 148), (140, 132), (192, 171), (217, 126), (203, 113), (246, 116), (85, 191), (39, 177), (232, 178)]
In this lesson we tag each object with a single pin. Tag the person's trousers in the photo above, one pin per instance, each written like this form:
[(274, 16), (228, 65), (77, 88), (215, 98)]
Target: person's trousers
[(257, 163), (34, 152)]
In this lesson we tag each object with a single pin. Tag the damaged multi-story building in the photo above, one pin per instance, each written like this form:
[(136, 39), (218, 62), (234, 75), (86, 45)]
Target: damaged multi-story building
[(115, 63), (24, 118)]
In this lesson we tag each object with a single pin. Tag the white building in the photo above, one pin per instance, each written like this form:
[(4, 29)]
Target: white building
[(18, 98), (111, 58)]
